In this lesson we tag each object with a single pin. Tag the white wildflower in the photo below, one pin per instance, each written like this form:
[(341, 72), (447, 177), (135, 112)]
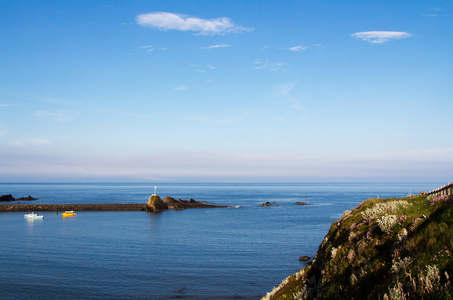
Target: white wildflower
[(401, 264), (397, 292), (402, 235), (380, 209), (387, 222), (334, 252), (346, 213)]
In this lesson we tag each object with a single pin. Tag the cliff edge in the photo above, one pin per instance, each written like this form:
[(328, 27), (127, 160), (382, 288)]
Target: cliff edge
[(383, 249)]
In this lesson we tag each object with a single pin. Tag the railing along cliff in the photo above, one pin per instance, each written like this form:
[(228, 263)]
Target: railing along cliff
[(445, 190)]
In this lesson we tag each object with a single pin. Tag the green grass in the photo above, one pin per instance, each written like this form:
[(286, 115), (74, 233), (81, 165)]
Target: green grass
[(363, 258)]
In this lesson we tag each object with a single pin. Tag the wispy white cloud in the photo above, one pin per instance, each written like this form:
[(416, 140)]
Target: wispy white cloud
[(284, 90), (40, 141), (3, 131), (302, 47), (219, 46), (267, 65), (58, 116), (202, 68), (380, 37), (298, 48), (170, 21), (430, 15), (30, 142), (433, 12), (180, 88), (7, 105), (216, 121), (152, 48)]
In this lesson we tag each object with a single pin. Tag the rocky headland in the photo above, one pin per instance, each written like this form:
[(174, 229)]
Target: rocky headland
[(383, 249)]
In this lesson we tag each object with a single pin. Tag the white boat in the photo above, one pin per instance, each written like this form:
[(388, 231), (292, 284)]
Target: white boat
[(32, 215)]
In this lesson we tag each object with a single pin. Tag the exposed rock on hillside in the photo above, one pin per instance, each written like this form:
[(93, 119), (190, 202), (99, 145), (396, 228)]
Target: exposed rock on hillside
[(383, 249)]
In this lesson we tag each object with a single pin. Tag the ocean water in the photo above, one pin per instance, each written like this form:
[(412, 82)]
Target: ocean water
[(240, 252)]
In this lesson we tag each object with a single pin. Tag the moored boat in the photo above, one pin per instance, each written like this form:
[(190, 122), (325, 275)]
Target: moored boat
[(32, 215), (69, 213)]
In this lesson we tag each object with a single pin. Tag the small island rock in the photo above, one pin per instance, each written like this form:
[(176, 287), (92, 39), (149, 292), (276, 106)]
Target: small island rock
[(7, 198), (155, 204), (29, 198)]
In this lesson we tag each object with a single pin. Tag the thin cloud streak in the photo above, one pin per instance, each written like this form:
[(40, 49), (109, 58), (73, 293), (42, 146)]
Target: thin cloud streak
[(219, 46), (180, 88), (152, 48), (283, 91), (7, 105), (217, 121), (301, 48), (380, 37), (29, 142), (267, 65), (169, 21), (298, 48), (59, 116)]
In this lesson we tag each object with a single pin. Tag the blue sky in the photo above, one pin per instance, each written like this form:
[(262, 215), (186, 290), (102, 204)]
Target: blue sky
[(226, 90)]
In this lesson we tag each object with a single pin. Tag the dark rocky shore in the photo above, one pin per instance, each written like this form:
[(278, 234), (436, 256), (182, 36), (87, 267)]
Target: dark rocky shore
[(156, 204), (153, 205), (10, 198)]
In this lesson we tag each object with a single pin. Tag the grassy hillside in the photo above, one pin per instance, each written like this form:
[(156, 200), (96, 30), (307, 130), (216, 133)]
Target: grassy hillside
[(383, 249)]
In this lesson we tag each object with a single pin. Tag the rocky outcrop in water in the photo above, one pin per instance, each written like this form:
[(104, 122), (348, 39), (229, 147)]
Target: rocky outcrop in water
[(7, 198), (155, 204), (10, 198)]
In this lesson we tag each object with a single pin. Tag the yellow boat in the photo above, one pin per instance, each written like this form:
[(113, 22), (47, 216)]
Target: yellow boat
[(69, 213)]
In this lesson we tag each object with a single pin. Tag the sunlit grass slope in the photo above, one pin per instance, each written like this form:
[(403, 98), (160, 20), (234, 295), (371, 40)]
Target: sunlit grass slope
[(383, 249)]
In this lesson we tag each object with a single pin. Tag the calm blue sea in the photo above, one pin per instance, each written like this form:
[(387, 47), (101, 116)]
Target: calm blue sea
[(240, 252)]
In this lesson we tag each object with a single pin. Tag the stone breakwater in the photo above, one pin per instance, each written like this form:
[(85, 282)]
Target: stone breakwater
[(75, 207), (155, 204)]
